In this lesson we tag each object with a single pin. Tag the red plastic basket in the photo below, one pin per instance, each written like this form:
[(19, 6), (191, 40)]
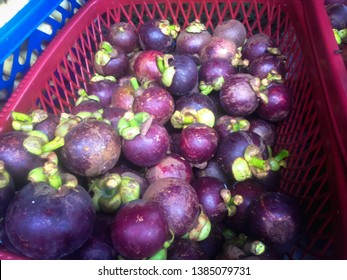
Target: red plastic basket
[(331, 68), (315, 172)]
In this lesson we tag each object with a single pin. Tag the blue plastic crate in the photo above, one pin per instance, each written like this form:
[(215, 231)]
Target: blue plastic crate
[(27, 34)]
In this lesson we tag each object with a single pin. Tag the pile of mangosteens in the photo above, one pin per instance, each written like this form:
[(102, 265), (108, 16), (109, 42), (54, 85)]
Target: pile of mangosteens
[(167, 154)]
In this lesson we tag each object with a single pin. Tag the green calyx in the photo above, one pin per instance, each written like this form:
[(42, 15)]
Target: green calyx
[(169, 30), (66, 123), (187, 116), (4, 175), (196, 26), (340, 35), (37, 143), (162, 253), (231, 202), (51, 174), (131, 125), (113, 190), (26, 122), (201, 229), (167, 71), (98, 78), (237, 60), (105, 53), (83, 96)]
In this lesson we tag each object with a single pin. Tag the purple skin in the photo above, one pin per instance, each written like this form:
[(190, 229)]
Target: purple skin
[(156, 101), (103, 89), (123, 35), (265, 64), (145, 66), (218, 47), (18, 161), (63, 220), (196, 101), (99, 246), (124, 96), (265, 129), (279, 105), (256, 45), (91, 148), (215, 68), (237, 96), (148, 149), (271, 181), (213, 244), (185, 77), (118, 66), (329, 2), (198, 143), (172, 165), (87, 106), (191, 42), (275, 219), (337, 14), (185, 249), (179, 201), (208, 190), (249, 190), (139, 230), (48, 126), (151, 37), (213, 169), (233, 146), (113, 114), (233, 30)]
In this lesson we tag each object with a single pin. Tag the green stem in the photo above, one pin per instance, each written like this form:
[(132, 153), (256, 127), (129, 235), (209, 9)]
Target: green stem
[(53, 145), (134, 83), (53, 176)]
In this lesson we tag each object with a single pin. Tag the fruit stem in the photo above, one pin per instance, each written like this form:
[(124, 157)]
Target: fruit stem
[(53, 176), (134, 83), (53, 145), (37, 175)]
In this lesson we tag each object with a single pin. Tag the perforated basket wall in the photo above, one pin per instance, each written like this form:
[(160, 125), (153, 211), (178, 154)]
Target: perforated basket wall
[(314, 174)]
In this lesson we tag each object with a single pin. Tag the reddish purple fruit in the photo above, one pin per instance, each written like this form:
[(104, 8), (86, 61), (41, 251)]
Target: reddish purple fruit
[(263, 128), (218, 47), (91, 148), (145, 66), (179, 202), (172, 165), (256, 45), (147, 149), (279, 104), (103, 88), (7, 189), (111, 61), (44, 223), (19, 162), (233, 30), (156, 101), (208, 190), (192, 39), (239, 96), (198, 143), (275, 219), (247, 191), (155, 34), (139, 230), (123, 35), (265, 65)]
